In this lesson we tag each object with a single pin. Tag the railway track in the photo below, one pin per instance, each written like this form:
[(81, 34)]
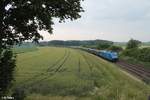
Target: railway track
[(137, 70)]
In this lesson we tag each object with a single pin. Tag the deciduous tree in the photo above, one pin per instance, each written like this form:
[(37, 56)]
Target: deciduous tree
[(133, 44), (20, 20)]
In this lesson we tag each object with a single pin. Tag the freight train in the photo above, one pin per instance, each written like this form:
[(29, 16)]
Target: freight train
[(108, 55)]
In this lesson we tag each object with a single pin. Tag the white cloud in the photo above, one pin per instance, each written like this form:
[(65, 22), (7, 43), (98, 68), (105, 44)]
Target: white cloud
[(118, 20)]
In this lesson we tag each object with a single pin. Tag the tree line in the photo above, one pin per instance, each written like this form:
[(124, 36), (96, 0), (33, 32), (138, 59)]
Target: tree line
[(85, 43)]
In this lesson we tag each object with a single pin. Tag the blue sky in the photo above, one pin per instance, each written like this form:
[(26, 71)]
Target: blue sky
[(115, 20)]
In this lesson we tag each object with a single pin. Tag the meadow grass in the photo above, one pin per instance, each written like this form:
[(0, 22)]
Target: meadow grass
[(53, 73), (19, 50)]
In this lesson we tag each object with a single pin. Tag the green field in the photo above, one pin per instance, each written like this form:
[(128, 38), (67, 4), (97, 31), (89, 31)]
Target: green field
[(52, 73), (24, 48)]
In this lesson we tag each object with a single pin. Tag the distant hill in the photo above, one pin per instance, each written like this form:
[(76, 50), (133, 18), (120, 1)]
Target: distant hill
[(120, 43), (123, 44), (74, 42), (146, 43)]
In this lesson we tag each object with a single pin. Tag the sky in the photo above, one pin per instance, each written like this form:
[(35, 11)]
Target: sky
[(114, 20)]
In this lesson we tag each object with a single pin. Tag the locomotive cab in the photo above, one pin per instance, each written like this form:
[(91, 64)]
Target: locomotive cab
[(114, 56), (109, 55)]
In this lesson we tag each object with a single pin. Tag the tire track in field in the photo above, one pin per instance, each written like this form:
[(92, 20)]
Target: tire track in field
[(88, 62), (63, 62), (78, 70), (93, 62), (49, 75), (95, 65), (79, 65), (47, 70), (59, 60)]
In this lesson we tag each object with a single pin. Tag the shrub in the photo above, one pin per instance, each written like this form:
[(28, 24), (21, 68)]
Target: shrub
[(115, 48), (131, 52), (103, 46), (144, 55), (7, 65), (19, 94), (139, 54)]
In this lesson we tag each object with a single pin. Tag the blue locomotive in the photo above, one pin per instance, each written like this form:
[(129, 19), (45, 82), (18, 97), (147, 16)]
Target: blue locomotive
[(108, 55)]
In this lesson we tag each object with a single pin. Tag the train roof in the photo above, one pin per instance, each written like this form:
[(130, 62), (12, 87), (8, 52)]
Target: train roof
[(105, 51)]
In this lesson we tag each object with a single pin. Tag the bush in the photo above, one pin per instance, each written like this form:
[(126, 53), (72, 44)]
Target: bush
[(7, 65), (144, 55), (103, 46), (131, 52), (139, 54), (115, 48), (19, 94)]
